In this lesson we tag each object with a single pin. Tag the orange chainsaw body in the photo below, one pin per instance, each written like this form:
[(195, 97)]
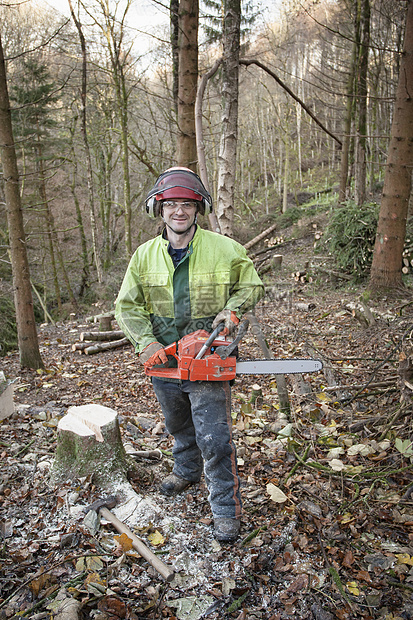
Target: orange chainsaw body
[(210, 367)]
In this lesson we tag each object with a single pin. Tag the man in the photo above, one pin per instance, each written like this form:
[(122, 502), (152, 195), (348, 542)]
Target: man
[(183, 280)]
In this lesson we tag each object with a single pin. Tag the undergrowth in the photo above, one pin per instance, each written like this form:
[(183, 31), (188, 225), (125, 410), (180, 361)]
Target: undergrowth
[(350, 236), (8, 329)]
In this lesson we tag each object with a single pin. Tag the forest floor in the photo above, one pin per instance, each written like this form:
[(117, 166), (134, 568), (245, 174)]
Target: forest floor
[(327, 525)]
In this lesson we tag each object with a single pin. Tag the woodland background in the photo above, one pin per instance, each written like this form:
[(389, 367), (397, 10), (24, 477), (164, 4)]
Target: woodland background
[(82, 185), (326, 481)]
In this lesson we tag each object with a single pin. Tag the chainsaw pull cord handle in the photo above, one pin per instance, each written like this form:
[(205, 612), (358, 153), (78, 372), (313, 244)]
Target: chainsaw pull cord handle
[(210, 340), (225, 351)]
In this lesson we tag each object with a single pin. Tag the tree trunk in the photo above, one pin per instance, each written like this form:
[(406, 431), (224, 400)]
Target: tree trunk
[(200, 145), (386, 268), (52, 237), (361, 143), (85, 282), (96, 255), (174, 29), (286, 170), (345, 152), (228, 148), (26, 326), (186, 154), (113, 30)]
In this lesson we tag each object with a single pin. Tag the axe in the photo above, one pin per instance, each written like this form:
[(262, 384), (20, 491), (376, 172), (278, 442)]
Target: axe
[(101, 506)]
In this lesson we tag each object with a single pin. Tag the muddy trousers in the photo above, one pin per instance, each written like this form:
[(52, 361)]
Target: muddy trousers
[(198, 415)]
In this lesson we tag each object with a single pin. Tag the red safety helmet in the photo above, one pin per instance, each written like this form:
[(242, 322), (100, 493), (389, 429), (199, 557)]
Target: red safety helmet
[(178, 183)]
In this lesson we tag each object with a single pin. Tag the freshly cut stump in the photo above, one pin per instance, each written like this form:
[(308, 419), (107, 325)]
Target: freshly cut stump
[(89, 444)]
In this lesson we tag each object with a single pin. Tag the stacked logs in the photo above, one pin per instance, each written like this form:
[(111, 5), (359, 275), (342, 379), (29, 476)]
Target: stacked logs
[(407, 257), (95, 342), (303, 276), (104, 339)]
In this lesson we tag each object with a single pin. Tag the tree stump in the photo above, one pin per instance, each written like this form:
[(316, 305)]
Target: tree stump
[(6, 397), (89, 444), (105, 322), (276, 261), (405, 377), (256, 395)]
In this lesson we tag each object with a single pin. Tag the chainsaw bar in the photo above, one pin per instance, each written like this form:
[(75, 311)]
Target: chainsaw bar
[(278, 366)]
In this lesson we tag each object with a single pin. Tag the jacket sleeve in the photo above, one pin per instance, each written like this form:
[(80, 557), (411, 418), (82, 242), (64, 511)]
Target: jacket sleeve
[(246, 288), (130, 309)]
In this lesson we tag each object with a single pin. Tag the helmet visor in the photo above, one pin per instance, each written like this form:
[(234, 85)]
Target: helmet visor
[(178, 192), (179, 184)]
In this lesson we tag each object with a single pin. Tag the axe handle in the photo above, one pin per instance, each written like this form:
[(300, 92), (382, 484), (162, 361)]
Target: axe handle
[(163, 569)]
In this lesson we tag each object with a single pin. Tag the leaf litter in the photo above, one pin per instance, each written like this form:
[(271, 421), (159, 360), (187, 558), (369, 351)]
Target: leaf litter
[(328, 515)]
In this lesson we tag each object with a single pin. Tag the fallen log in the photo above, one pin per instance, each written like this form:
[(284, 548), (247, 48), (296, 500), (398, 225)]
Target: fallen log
[(378, 384), (335, 274), (102, 336), (267, 250), (105, 346), (80, 346), (258, 238)]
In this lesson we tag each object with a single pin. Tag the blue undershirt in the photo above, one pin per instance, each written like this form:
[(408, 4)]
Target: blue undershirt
[(177, 254)]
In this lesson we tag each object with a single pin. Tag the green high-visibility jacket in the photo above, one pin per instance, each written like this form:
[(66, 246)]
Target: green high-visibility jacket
[(158, 302)]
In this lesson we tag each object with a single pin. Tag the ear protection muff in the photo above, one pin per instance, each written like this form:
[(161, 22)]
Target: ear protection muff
[(152, 206), (165, 187), (207, 205)]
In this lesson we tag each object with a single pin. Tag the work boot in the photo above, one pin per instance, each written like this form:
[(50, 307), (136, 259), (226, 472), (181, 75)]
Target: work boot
[(226, 530), (173, 484)]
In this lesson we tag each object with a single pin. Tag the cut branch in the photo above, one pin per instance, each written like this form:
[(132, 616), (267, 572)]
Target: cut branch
[(258, 238)]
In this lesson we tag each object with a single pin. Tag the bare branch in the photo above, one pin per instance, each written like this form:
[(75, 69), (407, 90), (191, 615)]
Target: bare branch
[(290, 92), (44, 44)]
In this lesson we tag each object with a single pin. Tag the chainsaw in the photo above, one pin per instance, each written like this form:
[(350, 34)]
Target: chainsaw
[(201, 356)]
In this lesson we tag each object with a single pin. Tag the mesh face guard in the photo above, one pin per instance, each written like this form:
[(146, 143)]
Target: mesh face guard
[(175, 184)]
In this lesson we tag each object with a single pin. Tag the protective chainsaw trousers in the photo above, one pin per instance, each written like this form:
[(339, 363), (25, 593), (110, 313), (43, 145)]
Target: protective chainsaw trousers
[(198, 415)]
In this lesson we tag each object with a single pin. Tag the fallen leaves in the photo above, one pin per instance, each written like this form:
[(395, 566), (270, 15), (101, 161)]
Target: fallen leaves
[(276, 494), (325, 532)]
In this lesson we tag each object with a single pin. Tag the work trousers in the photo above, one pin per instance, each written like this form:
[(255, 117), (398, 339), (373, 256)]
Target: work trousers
[(198, 415)]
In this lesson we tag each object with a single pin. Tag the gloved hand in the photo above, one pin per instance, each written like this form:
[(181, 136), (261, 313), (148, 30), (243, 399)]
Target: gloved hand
[(153, 354), (229, 318)]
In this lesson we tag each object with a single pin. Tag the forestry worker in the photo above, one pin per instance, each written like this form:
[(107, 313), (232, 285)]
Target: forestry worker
[(186, 279)]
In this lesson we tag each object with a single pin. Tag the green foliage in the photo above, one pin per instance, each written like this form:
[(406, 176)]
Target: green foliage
[(214, 11), (291, 216), (350, 236), (8, 329), (34, 97)]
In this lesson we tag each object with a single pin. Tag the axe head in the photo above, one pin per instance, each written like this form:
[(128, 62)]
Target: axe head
[(107, 502)]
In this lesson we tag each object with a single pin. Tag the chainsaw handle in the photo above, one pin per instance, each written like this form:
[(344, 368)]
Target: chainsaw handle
[(210, 340), (171, 351), (225, 351)]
